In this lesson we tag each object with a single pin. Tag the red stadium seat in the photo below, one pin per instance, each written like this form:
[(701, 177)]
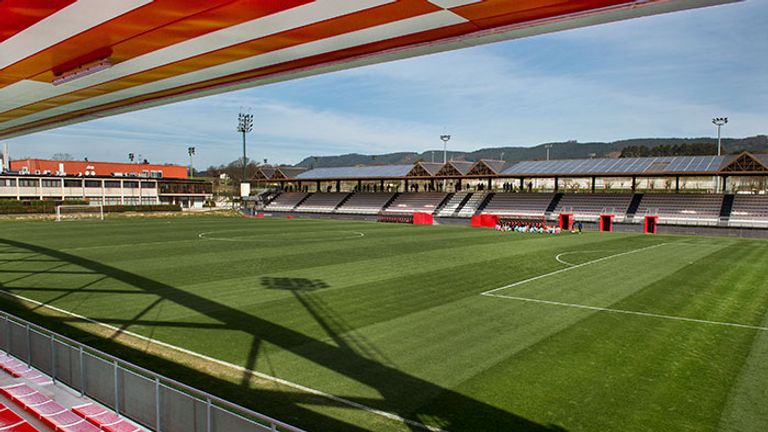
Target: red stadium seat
[(105, 419), (47, 410), (12, 422)]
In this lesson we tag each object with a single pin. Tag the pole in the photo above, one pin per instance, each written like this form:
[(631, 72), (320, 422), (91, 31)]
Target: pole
[(717, 179), (245, 169)]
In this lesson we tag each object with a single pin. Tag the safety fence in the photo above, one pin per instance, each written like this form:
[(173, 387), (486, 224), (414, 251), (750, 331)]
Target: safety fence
[(154, 401)]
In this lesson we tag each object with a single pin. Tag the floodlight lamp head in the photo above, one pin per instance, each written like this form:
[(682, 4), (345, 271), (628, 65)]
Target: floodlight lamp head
[(244, 122), (445, 138), (720, 121)]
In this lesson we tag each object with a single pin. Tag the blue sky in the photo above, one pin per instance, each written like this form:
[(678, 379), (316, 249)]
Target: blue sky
[(661, 76)]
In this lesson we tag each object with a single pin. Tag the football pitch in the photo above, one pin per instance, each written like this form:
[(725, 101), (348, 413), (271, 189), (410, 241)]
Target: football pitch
[(396, 327)]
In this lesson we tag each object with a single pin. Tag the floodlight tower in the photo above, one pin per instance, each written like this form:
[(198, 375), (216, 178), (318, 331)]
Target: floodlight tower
[(244, 126), (191, 151), (719, 122), (547, 146)]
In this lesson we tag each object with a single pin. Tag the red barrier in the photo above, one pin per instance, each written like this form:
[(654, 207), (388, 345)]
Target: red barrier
[(477, 221), (490, 220), (260, 215), (650, 224), (606, 222), (485, 221), (423, 219), (566, 221)]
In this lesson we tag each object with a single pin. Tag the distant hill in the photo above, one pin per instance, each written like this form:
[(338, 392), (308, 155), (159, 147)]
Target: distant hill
[(560, 150)]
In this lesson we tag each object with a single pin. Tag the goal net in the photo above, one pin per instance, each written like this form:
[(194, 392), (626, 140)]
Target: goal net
[(65, 212)]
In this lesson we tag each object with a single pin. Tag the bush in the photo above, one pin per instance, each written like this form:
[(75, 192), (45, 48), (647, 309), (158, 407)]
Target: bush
[(36, 206), (142, 208)]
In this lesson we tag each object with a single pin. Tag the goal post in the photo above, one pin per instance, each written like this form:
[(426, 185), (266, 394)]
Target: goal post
[(79, 212)]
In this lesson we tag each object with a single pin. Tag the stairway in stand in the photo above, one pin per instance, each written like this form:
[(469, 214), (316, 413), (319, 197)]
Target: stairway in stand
[(453, 204), (472, 205)]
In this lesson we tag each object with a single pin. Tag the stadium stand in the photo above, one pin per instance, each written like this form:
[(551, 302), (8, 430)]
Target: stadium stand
[(518, 204), (473, 203), (322, 202), (286, 201), (365, 203), (749, 210), (426, 202), (12, 422), (453, 204), (693, 209), (589, 207)]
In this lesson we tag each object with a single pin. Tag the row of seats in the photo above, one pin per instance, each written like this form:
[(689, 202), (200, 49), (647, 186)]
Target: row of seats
[(426, 202), (12, 422), (286, 201), (591, 206), (518, 204), (19, 369), (104, 418), (48, 411), (682, 208), (365, 203), (88, 417), (749, 209), (322, 202)]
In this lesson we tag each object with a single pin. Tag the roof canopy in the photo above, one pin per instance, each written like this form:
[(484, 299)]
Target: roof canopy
[(66, 61), (741, 164)]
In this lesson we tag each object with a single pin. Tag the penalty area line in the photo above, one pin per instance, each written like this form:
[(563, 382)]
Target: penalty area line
[(264, 376), (572, 267), (629, 312)]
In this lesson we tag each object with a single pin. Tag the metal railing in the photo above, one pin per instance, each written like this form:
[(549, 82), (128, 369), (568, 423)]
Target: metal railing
[(161, 404)]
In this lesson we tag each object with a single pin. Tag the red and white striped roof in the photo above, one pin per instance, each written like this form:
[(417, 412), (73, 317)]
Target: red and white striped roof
[(65, 61)]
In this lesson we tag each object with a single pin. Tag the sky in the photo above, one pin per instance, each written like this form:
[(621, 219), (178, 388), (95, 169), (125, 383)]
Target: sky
[(659, 76)]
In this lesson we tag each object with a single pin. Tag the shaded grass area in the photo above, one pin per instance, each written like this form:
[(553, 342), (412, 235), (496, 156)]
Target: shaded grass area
[(393, 318)]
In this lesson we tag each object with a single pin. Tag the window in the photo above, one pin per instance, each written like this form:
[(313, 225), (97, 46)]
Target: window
[(92, 183), (148, 185), (8, 182), (51, 183), (29, 182), (156, 174), (112, 184), (131, 184), (73, 183)]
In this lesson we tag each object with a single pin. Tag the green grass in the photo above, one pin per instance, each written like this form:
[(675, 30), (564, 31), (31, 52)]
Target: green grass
[(395, 319)]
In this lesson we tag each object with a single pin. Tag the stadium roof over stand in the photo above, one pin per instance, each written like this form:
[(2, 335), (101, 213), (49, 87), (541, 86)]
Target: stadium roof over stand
[(66, 61), (380, 171), (742, 164)]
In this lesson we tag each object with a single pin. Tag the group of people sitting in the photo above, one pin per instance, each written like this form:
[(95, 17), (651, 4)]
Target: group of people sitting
[(527, 227)]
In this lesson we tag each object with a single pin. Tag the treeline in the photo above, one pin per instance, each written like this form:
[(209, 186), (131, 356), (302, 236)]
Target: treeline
[(234, 170), (685, 149)]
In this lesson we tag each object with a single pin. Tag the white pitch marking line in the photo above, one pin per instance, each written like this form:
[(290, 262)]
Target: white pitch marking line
[(573, 267), (628, 312), (557, 258), (347, 402), (205, 236)]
